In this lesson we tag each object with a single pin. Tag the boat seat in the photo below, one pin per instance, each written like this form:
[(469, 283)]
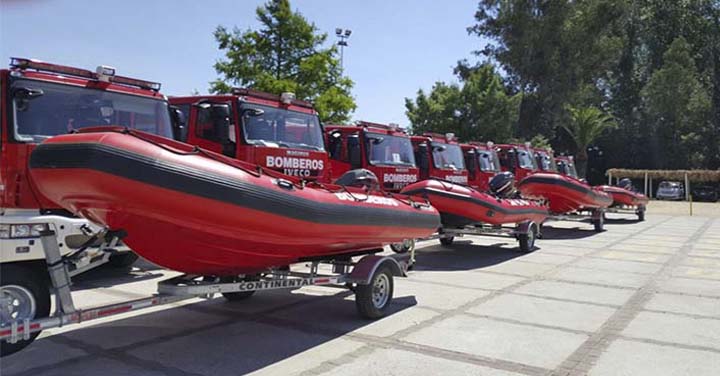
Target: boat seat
[(359, 178)]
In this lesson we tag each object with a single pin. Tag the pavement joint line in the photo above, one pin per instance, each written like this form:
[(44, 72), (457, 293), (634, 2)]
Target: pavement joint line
[(613, 326), (608, 269), (530, 324), (661, 291), (595, 284), (683, 314), (695, 278), (565, 300), (444, 284), (684, 346), (656, 263)]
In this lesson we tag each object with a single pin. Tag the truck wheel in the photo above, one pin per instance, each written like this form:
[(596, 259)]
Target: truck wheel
[(123, 259), (23, 295), (406, 246), (236, 296), (373, 300), (527, 240), (599, 223), (447, 241)]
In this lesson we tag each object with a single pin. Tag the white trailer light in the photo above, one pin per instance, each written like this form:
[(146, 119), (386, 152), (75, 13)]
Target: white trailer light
[(37, 228), (4, 231), (20, 231), (287, 97), (104, 73)]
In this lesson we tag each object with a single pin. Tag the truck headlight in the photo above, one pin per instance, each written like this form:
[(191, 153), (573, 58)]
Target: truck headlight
[(32, 230)]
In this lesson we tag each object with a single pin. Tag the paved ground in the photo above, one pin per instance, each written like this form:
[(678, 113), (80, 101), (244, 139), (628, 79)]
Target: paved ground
[(639, 298)]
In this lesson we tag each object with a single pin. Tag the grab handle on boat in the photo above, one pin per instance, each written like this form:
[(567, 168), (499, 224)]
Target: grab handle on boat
[(282, 183)]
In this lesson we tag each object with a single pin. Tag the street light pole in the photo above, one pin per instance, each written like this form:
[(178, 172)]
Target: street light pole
[(343, 35)]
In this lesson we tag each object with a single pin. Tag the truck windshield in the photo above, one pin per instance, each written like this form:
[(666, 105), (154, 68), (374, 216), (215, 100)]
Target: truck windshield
[(567, 168), (545, 161), (384, 149), (447, 156), (54, 109), (488, 160), (276, 127), (525, 160)]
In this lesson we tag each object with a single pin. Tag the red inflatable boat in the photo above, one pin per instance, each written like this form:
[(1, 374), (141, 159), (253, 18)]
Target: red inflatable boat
[(460, 205), (624, 197), (199, 212), (564, 194)]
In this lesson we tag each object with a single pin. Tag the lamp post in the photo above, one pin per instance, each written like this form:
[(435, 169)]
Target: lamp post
[(343, 34)]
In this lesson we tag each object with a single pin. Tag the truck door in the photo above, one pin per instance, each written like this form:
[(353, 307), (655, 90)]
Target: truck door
[(212, 129)]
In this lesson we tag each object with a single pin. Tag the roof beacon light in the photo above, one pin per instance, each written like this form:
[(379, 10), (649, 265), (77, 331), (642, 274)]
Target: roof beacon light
[(527, 144), (449, 136), (287, 97), (490, 144), (104, 73)]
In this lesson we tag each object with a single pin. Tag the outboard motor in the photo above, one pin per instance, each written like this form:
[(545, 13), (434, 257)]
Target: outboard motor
[(625, 183), (503, 184), (359, 178)]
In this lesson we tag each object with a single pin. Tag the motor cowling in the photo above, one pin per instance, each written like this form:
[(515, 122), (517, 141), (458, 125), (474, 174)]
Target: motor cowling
[(503, 184), (625, 183), (359, 178)]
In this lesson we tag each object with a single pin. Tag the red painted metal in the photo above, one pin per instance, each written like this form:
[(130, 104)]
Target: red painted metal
[(564, 194)]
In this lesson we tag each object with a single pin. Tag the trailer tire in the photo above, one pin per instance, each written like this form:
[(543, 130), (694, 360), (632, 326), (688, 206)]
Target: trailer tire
[(17, 283), (373, 300), (641, 214), (405, 246), (527, 240), (123, 259), (599, 223), (447, 241)]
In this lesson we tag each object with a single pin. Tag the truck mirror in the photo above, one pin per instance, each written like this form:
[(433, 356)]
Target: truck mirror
[(422, 157), (221, 121), (354, 153), (179, 123), (471, 163), (23, 95), (335, 145), (512, 159)]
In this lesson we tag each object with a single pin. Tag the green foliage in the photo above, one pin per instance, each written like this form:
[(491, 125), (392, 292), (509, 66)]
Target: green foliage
[(285, 54), (478, 109), (585, 126), (653, 64)]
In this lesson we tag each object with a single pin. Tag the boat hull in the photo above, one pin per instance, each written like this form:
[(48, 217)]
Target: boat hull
[(198, 215), (461, 205), (624, 197), (564, 194)]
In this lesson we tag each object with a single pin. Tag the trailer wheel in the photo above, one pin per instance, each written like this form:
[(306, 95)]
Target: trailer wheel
[(527, 240), (373, 300), (447, 241), (641, 213), (123, 260), (236, 296), (406, 246), (599, 223), (23, 295)]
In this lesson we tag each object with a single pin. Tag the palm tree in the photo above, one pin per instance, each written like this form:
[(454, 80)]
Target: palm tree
[(586, 124)]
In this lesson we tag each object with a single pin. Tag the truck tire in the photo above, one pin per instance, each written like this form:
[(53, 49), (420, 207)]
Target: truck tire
[(527, 240), (373, 300), (123, 259), (23, 294)]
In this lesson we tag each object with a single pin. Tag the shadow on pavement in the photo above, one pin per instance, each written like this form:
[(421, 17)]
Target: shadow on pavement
[(561, 233), (464, 255), (211, 337)]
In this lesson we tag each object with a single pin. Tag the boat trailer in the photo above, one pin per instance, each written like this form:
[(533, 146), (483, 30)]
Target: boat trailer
[(370, 278), (631, 210), (595, 216)]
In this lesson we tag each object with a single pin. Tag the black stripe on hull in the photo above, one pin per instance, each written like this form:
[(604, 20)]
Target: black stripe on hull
[(221, 188), (470, 199)]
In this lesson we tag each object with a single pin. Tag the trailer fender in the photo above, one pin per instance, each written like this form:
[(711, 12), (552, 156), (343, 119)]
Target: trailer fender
[(525, 227), (368, 265)]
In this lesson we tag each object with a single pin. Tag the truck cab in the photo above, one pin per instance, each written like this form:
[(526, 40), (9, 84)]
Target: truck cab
[(440, 157), (566, 165), (39, 100), (386, 150), (518, 159), (482, 164), (545, 160), (277, 132)]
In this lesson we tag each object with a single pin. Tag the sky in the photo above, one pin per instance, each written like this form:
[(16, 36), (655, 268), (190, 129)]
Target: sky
[(396, 46)]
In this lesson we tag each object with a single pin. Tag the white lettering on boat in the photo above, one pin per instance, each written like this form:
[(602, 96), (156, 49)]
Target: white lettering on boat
[(457, 179), (387, 201)]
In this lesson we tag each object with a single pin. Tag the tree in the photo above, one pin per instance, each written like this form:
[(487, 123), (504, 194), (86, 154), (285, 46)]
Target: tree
[(585, 125), (285, 54), (480, 109), (678, 110)]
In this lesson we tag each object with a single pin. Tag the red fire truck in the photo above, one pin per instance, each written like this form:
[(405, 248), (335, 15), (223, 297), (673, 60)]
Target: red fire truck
[(482, 164), (440, 157), (41, 100), (273, 131), (385, 150), (545, 159), (518, 159), (566, 165)]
